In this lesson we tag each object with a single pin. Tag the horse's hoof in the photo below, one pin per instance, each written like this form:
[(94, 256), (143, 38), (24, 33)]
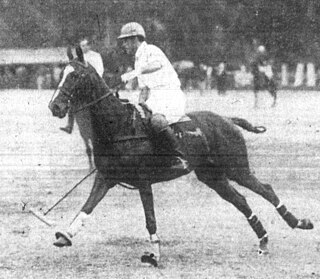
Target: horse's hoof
[(66, 129), (62, 240), (263, 246), (150, 260), (262, 252), (305, 224)]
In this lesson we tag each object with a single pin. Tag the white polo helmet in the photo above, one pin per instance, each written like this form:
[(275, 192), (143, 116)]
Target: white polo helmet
[(132, 29), (261, 49)]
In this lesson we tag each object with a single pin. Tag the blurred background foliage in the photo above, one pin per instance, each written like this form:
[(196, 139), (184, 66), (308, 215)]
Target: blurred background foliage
[(199, 30)]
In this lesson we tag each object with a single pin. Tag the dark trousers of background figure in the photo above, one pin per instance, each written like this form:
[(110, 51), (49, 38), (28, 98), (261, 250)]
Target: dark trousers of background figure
[(71, 120), (262, 82), (222, 83)]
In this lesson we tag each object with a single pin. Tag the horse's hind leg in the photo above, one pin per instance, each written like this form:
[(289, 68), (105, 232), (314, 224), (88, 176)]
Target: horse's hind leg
[(146, 196), (249, 181), (221, 185), (99, 190)]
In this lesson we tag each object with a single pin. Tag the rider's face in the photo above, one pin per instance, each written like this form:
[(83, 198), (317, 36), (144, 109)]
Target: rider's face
[(84, 44), (130, 45)]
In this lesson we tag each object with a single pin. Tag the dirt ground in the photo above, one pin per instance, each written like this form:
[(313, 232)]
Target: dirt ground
[(202, 235)]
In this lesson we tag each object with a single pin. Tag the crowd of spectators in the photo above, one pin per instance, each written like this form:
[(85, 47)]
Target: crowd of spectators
[(200, 77), (29, 76)]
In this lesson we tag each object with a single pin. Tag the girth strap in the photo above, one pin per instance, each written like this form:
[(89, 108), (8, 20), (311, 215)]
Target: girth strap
[(127, 138)]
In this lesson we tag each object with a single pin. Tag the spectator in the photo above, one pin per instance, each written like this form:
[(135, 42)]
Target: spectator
[(242, 78), (92, 57), (21, 76), (56, 75), (185, 71), (8, 77), (221, 75), (40, 77)]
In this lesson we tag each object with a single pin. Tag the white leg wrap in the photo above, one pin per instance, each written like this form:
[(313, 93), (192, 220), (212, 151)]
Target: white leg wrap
[(155, 246), (279, 205), (265, 235), (251, 216), (77, 224)]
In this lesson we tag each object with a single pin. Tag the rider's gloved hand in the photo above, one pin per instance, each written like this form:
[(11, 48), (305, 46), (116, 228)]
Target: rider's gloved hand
[(130, 75)]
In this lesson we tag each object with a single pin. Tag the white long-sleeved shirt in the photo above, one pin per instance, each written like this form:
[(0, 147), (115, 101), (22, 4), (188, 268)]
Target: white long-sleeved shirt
[(166, 77), (95, 59)]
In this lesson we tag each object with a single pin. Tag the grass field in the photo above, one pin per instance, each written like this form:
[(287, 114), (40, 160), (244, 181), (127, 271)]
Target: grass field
[(202, 235)]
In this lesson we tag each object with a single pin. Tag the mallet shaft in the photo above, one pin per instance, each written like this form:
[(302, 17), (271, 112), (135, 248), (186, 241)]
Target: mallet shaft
[(40, 217), (67, 194)]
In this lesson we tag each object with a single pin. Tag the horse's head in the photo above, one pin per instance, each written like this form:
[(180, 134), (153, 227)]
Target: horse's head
[(75, 84)]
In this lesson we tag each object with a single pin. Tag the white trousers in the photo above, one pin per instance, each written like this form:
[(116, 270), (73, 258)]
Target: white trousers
[(169, 102)]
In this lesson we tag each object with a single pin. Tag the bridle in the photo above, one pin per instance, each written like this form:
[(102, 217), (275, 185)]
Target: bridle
[(69, 95), (111, 92), (64, 91)]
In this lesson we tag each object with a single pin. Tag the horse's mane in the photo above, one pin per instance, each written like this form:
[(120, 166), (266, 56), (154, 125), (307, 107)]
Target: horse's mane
[(129, 118)]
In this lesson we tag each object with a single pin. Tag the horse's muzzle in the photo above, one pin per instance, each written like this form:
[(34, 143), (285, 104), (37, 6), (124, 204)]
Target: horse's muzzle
[(56, 111)]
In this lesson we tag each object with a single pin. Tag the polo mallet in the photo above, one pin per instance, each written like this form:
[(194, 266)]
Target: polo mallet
[(41, 216), (35, 214)]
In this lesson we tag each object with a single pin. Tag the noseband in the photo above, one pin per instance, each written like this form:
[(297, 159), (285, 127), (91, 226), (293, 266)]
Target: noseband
[(69, 95)]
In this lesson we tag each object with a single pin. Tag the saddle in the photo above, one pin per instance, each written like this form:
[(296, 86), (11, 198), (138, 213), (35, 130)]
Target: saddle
[(135, 110), (192, 140)]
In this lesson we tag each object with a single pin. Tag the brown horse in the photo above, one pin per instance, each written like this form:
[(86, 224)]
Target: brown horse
[(123, 152)]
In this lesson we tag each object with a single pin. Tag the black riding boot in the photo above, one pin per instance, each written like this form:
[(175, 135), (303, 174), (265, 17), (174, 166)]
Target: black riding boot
[(170, 144), (68, 129)]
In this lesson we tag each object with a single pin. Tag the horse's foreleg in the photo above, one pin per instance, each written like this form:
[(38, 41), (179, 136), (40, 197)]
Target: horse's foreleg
[(146, 196), (265, 190), (89, 155), (221, 185), (99, 190)]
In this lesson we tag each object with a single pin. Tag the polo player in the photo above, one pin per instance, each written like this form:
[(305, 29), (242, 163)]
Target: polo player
[(161, 92), (263, 77)]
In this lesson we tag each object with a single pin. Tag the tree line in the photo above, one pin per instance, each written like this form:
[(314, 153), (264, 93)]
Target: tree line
[(199, 30)]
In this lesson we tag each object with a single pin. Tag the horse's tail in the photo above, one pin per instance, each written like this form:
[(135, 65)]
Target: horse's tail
[(244, 124)]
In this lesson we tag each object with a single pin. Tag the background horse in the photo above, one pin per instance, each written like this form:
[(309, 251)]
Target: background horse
[(263, 81), (82, 118), (123, 152)]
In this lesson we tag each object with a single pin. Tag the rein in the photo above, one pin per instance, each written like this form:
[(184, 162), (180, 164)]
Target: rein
[(111, 92), (114, 91)]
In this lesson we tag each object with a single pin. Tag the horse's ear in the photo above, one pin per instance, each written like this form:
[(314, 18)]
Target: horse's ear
[(69, 53), (79, 54)]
